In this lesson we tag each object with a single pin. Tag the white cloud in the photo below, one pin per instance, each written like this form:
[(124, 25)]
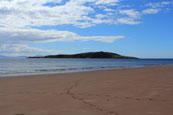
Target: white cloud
[(130, 21), (100, 16), (8, 35), (159, 4), (131, 13), (154, 5), (166, 2), (108, 39), (108, 10), (28, 13), (21, 13), (151, 11), (108, 2), (23, 50), (130, 17)]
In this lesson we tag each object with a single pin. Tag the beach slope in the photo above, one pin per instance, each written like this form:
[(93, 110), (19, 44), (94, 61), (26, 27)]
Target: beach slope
[(137, 91)]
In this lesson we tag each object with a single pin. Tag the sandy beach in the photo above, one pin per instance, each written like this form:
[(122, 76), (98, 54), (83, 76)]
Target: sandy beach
[(135, 91)]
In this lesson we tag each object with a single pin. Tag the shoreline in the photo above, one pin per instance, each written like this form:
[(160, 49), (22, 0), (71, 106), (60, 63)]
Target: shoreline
[(130, 91), (41, 74)]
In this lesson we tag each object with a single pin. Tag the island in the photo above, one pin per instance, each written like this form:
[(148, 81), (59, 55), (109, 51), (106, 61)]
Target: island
[(100, 54)]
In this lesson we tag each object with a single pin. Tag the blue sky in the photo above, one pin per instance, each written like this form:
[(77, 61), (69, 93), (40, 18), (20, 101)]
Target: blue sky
[(134, 28)]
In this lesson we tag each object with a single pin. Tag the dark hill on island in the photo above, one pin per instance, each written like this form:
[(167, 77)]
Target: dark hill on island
[(89, 55)]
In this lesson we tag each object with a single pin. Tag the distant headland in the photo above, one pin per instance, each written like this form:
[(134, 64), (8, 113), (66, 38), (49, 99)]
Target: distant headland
[(100, 54)]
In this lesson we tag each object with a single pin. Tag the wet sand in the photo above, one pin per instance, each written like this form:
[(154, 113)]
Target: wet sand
[(137, 91)]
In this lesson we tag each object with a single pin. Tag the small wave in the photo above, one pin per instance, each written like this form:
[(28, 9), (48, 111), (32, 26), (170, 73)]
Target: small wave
[(73, 69), (54, 70)]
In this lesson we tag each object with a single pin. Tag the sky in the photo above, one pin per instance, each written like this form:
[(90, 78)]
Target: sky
[(140, 28)]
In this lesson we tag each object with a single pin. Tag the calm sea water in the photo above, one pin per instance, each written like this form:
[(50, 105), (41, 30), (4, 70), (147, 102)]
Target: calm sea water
[(15, 67)]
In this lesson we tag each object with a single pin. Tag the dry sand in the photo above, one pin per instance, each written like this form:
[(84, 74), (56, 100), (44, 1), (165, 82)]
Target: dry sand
[(138, 91)]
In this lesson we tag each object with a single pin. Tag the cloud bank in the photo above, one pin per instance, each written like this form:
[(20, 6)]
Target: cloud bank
[(34, 35), (80, 13)]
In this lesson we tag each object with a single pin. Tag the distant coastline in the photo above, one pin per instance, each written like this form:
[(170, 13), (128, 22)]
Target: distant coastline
[(100, 54)]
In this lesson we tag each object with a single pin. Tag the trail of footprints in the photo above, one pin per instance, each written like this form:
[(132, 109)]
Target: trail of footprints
[(129, 98), (77, 97)]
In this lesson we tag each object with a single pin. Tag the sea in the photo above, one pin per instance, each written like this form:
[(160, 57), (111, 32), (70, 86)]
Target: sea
[(29, 66)]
